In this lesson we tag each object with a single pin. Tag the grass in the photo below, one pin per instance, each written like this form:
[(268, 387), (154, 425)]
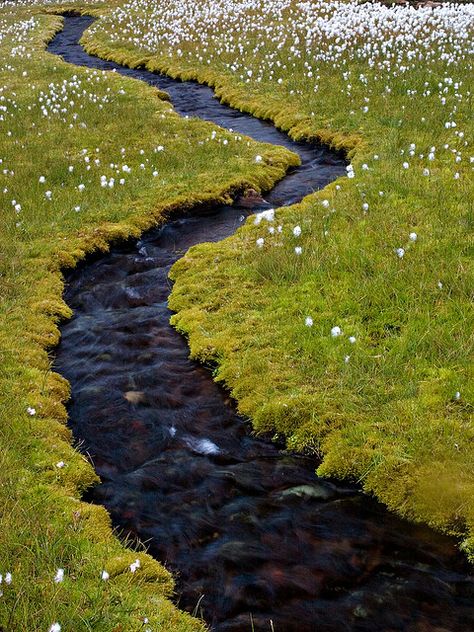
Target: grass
[(386, 255), (63, 127), (396, 416)]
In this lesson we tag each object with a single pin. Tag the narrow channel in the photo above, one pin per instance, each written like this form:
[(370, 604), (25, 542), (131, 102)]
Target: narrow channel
[(254, 537)]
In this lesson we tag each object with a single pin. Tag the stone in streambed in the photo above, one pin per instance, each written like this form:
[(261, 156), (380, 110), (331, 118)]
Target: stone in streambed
[(134, 397), (318, 492), (251, 199)]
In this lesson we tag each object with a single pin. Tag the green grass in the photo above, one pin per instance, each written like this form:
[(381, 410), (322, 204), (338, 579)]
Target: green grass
[(397, 415), (389, 417), (44, 524)]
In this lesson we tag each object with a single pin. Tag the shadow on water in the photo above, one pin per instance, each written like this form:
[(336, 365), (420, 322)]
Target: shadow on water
[(249, 530)]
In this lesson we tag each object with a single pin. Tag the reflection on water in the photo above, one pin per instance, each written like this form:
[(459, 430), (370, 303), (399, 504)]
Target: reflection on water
[(249, 529)]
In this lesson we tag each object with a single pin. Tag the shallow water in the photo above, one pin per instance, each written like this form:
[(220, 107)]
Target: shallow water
[(249, 530)]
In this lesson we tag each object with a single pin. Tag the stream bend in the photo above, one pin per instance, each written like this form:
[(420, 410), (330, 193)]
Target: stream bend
[(248, 529)]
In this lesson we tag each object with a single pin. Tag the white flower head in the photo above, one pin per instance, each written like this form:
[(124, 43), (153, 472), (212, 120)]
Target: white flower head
[(413, 236), (308, 321), (55, 628), (260, 241), (258, 158), (60, 464), (59, 577), (135, 565), (297, 231), (269, 215), (31, 411), (336, 331), (298, 250), (400, 252), (104, 576)]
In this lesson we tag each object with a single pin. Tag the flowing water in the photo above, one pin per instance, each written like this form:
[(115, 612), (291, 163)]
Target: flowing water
[(253, 536)]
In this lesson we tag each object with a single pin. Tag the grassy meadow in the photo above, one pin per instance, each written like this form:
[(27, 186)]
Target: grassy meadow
[(86, 158), (346, 324), (348, 331)]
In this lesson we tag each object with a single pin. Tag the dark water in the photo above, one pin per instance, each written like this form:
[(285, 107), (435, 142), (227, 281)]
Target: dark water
[(251, 533)]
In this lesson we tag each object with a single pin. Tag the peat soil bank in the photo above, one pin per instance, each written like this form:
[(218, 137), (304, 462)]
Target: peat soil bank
[(254, 537)]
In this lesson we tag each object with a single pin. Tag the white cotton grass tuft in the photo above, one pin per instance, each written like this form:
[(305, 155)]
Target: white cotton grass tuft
[(104, 576), (336, 331), (55, 627), (400, 252), (308, 321), (134, 566), (413, 236), (298, 250), (260, 241), (268, 215), (297, 231), (59, 577)]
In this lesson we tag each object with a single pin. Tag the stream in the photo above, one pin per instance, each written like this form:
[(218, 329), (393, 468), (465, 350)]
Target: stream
[(254, 538)]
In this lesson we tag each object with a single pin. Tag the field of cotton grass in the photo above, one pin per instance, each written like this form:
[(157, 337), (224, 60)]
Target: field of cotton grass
[(85, 158), (344, 323)]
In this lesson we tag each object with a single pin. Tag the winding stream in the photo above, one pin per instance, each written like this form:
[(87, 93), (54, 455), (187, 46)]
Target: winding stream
[(252, 534)]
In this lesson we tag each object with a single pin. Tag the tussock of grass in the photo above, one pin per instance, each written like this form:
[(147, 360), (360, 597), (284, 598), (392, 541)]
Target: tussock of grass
[(44, 525), (397, 416)]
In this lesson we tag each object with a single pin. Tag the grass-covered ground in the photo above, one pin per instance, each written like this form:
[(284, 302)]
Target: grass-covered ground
[(359, 346), (85, 158)]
